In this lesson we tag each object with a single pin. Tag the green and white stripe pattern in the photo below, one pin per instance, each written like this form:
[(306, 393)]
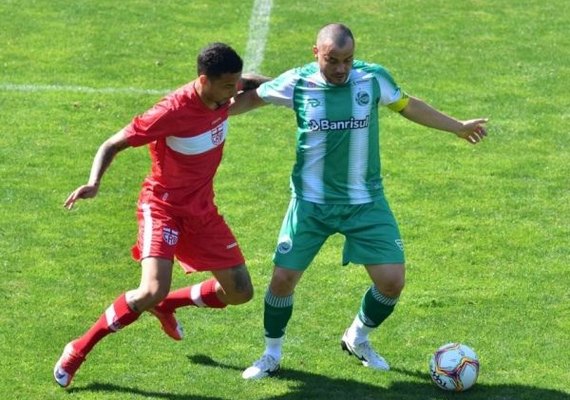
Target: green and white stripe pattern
[(338, 153)]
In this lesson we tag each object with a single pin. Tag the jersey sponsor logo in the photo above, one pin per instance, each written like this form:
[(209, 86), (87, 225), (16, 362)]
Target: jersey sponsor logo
[(170, 236), (326, 124), (284, 245), (362, 98)]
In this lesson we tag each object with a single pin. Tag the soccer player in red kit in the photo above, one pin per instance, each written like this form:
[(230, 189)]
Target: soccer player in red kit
[(177, 217)]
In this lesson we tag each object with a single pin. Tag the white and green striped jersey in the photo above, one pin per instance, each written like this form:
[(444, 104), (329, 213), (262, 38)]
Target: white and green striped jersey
[(338, 148)]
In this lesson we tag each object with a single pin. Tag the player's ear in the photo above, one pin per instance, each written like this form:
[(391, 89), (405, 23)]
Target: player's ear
[(203, 80), (315, 51)]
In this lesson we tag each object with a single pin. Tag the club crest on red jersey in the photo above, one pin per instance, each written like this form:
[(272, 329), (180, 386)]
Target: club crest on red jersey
[(218, 134), (170, 235)]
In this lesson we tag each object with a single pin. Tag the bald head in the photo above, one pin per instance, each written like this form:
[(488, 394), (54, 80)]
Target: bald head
[(334, 52), (336, 34)]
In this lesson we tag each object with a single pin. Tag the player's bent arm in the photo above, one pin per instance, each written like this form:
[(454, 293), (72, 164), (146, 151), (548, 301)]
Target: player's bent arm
[(101, 162), (420, 112), (105, 156), (251, 81), (245, 101)]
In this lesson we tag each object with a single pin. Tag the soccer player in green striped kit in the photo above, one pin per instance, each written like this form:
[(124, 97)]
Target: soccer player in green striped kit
[(337, 187)]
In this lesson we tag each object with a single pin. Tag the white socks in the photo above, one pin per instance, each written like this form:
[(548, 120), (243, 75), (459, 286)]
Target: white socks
[(358, 332), (273, 347)]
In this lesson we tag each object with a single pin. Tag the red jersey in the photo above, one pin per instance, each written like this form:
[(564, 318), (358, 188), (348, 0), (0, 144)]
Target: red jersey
[(186, 141)]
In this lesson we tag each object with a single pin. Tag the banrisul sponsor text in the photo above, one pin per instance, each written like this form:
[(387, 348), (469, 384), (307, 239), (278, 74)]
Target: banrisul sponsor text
[(326, 124)]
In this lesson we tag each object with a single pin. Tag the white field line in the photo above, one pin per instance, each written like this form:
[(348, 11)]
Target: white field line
[(11, 87), (258, 30)]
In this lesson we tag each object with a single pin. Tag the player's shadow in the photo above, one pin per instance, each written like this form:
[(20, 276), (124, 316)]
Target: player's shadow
[(100, 389), (309, 386), (314, 386)]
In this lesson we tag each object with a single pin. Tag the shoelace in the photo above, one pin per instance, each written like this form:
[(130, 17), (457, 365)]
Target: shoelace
[(265, 361), (368, 352)]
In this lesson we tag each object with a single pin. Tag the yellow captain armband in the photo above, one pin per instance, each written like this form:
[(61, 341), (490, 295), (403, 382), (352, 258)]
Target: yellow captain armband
[(399, 105)]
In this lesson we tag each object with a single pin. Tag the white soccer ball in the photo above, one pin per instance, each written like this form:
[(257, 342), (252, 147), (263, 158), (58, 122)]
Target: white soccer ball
[(454, 366)]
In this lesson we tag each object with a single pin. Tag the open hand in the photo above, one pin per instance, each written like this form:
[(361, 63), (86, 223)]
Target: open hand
[(82, 192), (473, 130)]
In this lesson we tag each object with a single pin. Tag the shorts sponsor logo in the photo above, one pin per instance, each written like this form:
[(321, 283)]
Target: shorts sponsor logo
[(284, 245), (170, 236), (400, 244)]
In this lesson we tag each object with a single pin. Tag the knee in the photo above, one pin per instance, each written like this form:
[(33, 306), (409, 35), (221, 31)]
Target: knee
[(283, 282), (241, 296), (392, 287), (148, 297)]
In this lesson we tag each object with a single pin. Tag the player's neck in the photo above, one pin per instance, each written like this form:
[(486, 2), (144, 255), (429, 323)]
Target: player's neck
[(212, 105)]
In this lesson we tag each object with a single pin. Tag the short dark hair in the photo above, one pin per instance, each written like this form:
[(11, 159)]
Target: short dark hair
[(218, 58), (339, 34)]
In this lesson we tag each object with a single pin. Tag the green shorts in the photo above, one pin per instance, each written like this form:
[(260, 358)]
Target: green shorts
[(370, 230)]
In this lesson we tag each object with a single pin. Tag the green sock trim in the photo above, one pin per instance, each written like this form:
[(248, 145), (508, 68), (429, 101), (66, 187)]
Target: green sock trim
[(389, 301), (276, 301), (374, 308)]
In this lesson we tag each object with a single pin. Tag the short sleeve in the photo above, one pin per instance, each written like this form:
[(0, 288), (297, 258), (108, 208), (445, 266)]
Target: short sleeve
[(280, 90), (148, 127), (390, 92)]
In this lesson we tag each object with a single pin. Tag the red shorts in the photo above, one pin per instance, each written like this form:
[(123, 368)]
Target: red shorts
[(199, 243)]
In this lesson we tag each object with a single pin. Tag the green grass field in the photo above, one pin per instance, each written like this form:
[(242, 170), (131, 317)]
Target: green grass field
[(487, 227)]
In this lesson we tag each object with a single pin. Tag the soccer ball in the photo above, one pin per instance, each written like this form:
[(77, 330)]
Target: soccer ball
[(454, 366)]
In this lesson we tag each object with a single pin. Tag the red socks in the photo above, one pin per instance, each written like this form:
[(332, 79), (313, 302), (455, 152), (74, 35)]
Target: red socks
[(202, 294), (117, 316)]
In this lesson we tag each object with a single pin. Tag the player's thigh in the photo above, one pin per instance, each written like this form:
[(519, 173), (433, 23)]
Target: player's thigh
[(372, 236), (156, 275), (302, 234)]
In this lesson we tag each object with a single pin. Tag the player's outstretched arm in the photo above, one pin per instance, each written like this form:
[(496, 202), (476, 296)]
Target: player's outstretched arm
[(101, 162), (422, 113), (245, 101)]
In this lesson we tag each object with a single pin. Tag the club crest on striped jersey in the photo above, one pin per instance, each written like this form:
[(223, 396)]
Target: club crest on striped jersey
[(217, 134), (170, 236), (362, 98)]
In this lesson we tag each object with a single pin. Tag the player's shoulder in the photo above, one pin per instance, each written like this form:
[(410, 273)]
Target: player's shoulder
[(378, 71), (307, 69), (368, 67), (293, 76), (300, 72)]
